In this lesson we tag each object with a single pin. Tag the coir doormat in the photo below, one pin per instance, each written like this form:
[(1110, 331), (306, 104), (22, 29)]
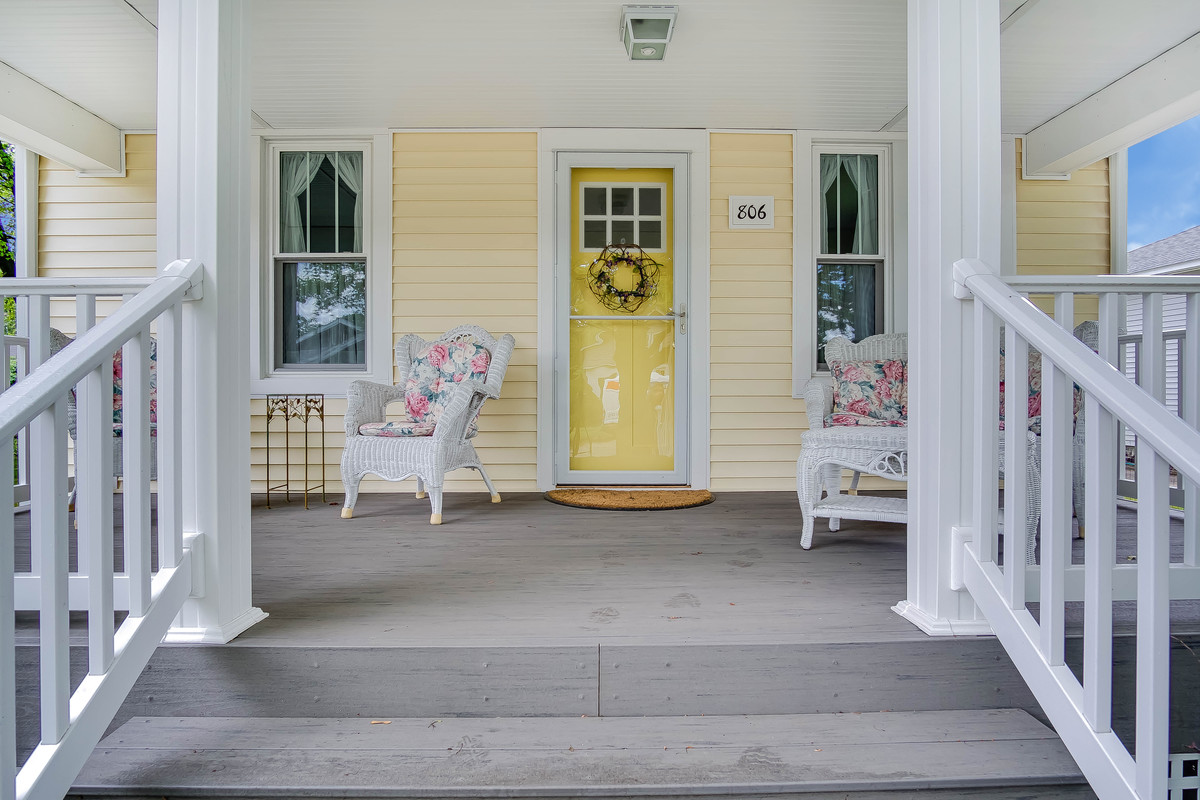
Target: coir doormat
[(630, 499)]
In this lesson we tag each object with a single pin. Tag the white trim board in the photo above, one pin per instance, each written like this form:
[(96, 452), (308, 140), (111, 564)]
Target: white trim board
[(695, 143)]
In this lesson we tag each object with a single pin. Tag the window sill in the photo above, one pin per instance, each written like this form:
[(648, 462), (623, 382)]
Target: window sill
[(331, 384)]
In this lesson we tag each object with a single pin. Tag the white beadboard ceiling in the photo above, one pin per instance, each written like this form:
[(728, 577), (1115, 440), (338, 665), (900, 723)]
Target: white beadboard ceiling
[(812, 64)]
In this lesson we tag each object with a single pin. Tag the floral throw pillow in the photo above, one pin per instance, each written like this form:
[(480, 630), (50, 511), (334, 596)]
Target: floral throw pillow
[(436, 370), (1034, 368), (869, 393), (118, 393)]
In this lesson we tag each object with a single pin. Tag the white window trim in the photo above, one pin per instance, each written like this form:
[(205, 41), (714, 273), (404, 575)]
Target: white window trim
[(377, 233), (893, 220)]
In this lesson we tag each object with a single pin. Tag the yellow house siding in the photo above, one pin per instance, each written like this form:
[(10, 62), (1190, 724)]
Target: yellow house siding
[(464, 250), (1063, 228), (89, 226), (755, 421)]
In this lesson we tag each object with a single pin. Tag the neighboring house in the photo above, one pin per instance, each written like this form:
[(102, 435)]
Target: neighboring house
[(472, 176)]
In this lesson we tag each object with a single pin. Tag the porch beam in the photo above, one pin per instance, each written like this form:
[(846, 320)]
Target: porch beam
[(1152, 98), (36, 117), (954, 211)]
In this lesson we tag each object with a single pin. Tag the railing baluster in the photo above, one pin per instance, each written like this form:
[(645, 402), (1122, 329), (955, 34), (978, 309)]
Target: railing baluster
[(85, 320), (39, 351), (1056, 507), (135, 433), (1016, 456), (48, 523), (1100, 554), (170, 418), (987, 348), (1152, 354), (1153, 624), (8, 666), (1189, 366), (94, 503)]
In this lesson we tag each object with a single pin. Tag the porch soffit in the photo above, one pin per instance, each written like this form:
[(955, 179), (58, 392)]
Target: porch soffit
[(808, 64)]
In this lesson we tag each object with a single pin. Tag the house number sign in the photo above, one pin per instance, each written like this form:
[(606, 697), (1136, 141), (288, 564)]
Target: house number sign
[(751, 212)]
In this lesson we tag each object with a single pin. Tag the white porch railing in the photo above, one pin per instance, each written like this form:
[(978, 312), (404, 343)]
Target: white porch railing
[(72, 724), (1080, 710)]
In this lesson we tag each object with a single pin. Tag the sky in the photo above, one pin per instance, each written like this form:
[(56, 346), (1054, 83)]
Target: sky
[(1164, 184)]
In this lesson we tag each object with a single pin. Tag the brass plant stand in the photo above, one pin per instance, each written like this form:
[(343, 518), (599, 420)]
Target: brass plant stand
[(306, 408)]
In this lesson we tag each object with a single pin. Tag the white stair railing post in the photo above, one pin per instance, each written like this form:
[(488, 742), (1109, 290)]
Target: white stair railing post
[(1189, 366), (48, 524), (8, 665), (1153, 625), (135, 435), (170, 453), (1016, 483)]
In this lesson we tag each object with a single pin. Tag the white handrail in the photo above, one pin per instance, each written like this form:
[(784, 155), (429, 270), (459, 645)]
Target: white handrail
[(39, 391), (73, 722), (1080, 709), (1170, 436)]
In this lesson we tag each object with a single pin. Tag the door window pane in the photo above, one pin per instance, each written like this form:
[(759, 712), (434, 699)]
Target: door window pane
[(650, 233), (622, 200), (321, 313), (848, 303), (595, 200), (849, 202), (649, 201), (595, 234), (622, 231)]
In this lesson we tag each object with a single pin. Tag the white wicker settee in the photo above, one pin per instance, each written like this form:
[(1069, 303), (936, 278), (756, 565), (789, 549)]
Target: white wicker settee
[(442, 383)]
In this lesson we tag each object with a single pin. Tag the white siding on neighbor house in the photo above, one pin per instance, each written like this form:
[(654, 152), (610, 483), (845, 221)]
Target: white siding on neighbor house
[(89, 227), (755, 421), (464, 250), (1174, 319)]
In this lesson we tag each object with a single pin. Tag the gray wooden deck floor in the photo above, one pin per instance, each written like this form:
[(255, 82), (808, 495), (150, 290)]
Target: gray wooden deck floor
[(528, 572)]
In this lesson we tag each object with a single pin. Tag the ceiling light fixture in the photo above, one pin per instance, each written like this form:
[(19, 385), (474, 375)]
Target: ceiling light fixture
[(646, 29)]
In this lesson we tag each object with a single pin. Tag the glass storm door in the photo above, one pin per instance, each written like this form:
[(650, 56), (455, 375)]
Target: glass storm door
[(621, 327)]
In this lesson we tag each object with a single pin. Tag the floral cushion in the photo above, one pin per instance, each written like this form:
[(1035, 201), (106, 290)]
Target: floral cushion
[(1034, 406), (396, 429), (435, 371), (869, 393), (117, 391)]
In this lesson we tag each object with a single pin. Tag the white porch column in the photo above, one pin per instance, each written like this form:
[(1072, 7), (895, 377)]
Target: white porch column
[(203, 213), (954, 212)]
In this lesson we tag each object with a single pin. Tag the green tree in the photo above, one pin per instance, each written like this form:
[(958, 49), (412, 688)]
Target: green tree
[(8, 213)]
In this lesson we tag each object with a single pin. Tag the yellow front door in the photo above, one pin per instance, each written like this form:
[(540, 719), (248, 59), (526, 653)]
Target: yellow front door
[(622, 381)]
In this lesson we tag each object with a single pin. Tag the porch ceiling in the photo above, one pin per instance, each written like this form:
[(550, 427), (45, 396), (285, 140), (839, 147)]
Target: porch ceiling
[(810, 64)]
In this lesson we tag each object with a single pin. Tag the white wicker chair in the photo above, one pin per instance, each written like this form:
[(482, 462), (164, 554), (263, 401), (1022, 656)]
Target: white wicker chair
[(826, 451), (415, 450)]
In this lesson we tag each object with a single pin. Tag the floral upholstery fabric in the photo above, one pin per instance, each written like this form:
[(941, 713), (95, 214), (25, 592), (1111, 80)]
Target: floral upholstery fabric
[(1034, 406), (869, 393), (396, 429), (436, 370), (118, 372)]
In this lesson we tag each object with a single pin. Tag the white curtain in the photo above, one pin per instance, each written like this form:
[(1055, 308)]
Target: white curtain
[(350, 170), (864, 174), (829, 173), (296, 171)]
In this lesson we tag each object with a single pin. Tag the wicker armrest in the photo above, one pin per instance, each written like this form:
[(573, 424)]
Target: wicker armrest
[(367, 402), (818, 401), (462, 408)]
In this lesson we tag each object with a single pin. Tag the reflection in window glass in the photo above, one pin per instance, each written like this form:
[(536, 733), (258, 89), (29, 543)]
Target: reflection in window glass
[(650, 234), (594, 200), (320, 202), (848, 303), (321, 313), (622, 231), (595, 234)]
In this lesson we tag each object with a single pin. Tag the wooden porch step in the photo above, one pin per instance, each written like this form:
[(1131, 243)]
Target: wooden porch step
[(1002, 753)]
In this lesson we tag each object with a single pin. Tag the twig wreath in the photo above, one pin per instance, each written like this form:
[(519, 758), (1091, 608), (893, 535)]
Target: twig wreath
[(612, 258)]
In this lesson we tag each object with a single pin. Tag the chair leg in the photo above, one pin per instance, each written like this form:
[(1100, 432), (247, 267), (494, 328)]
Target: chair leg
[(420, 489), (806, 533), (435, 500), (488, 482), (351, 486)]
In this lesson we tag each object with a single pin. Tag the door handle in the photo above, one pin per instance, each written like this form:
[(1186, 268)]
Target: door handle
[(681, 315)]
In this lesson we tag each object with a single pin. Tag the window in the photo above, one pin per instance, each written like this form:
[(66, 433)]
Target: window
[(319, 275), (850, 261), (622, 214)]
